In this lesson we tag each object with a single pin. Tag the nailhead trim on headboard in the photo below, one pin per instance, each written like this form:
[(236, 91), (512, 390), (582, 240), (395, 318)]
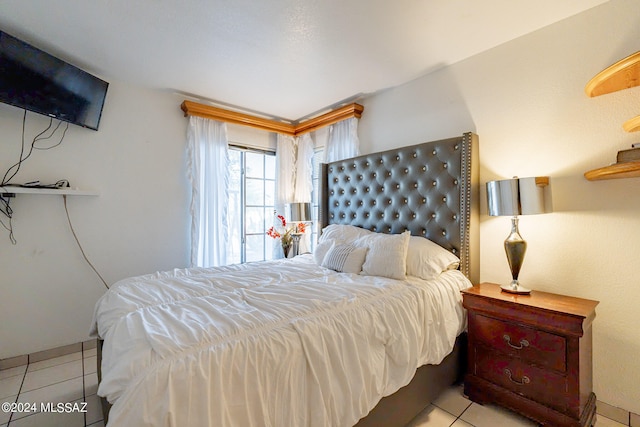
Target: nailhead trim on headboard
[(426, 189)]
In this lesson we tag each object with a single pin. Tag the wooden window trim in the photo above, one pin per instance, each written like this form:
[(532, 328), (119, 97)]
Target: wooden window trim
[(191, 108)]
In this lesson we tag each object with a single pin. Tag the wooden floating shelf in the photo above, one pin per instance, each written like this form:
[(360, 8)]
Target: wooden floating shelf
[(615, 171), (624, 74), (64, 191), (632, 125)]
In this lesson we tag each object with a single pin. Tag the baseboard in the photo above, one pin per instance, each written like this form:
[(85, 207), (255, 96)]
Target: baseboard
[(620, 415), (12, 362)]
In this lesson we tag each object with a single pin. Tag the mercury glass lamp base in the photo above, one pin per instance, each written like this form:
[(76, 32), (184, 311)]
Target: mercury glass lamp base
[(515, 288)]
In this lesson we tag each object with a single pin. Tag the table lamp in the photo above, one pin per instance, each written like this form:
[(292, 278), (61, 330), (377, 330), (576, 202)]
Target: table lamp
[(513, 197), (298, 212)]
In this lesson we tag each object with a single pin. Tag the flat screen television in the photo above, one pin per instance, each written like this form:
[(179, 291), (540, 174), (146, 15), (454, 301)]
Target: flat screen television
[(39, 82)]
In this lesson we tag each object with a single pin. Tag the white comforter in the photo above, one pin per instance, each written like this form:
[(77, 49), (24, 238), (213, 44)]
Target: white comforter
[(278, 343)]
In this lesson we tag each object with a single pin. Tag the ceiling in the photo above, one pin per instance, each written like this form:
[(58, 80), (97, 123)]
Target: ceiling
[(287, 59)]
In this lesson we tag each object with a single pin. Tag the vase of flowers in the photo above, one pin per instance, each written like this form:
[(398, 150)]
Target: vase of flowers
[(286, 234)]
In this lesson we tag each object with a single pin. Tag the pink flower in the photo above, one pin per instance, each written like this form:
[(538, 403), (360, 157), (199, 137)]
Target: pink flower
[(284, 234)]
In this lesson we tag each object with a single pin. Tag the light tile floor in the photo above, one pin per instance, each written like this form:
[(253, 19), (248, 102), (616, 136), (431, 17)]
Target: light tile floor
[(69, 379), (453, 409), (73, 379)]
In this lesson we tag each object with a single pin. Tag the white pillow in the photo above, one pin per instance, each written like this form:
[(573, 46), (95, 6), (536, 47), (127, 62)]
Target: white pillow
[(426, 259), (321, 250), (345, 258), (342, 232), (387, 255)]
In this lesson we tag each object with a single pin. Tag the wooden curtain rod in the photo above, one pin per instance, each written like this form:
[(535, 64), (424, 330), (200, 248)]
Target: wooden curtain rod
[(191, 108), (334, 116)]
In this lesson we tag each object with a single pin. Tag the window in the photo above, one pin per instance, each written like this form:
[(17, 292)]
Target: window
[(318, 159), (251, 204)]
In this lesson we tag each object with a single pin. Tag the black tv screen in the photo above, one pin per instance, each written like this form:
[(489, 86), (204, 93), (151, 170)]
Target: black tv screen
[(39, 82)]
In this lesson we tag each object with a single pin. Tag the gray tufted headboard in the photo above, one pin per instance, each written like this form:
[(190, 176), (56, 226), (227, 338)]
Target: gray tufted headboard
[(430, 189)]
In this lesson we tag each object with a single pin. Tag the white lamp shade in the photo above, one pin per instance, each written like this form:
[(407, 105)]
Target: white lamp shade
[(299, 212), (518, 196)]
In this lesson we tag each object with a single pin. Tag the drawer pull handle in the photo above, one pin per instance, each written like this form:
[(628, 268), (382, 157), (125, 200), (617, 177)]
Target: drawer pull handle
[(525, 379), (523, 343)]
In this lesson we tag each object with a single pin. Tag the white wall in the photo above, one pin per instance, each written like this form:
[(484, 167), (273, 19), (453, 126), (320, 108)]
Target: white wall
[(525, 99), (138, 224)]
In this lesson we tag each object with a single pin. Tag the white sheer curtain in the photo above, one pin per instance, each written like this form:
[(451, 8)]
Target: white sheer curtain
[(343, 141), (208, 171), (294, 169), (304, 169), (285, 171), (285, 179), (304, 181)]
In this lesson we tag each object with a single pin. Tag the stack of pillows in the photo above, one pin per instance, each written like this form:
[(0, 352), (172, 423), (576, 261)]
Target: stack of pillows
[(350, 249)]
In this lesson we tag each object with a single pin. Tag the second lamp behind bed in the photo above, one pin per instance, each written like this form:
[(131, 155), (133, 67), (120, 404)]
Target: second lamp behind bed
[(299, 213)]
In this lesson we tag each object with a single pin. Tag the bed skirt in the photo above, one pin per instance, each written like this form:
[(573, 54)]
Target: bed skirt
[(398, 409)]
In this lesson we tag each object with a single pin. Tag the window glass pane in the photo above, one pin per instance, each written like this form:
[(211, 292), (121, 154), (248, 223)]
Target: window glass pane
[(254, 164), (318, 158), (234, 244), (251, 200), (254, 220), (269, 166), (269, 192), (255, 192), (235, 167), (255, 247)]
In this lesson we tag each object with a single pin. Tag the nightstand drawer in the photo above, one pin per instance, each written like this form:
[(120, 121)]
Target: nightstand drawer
[(538, 347), (546, 387), (531, 353)]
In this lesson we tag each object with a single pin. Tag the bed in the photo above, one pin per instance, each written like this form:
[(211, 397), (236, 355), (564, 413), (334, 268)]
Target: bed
[(294, 342)]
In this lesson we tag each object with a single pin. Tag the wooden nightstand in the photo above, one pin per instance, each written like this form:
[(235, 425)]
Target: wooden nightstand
[(531, 354)]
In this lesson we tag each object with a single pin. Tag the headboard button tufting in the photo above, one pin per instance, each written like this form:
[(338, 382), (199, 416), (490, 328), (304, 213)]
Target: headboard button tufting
[(417, 188)]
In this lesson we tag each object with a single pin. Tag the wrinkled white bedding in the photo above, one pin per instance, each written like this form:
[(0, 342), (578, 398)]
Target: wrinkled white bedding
[(277, 343)]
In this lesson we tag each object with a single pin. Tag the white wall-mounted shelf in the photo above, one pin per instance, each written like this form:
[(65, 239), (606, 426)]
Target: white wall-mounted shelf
[(12, 190)]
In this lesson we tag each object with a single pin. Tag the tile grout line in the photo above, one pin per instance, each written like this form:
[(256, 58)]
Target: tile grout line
[(457, 416), (461, 413), (19, 391), (50, 384), (53, 366), (84, 395)]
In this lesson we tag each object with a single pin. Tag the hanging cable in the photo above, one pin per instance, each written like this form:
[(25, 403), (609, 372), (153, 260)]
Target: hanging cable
[(8, 212), (5, 209), (64, 197)]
